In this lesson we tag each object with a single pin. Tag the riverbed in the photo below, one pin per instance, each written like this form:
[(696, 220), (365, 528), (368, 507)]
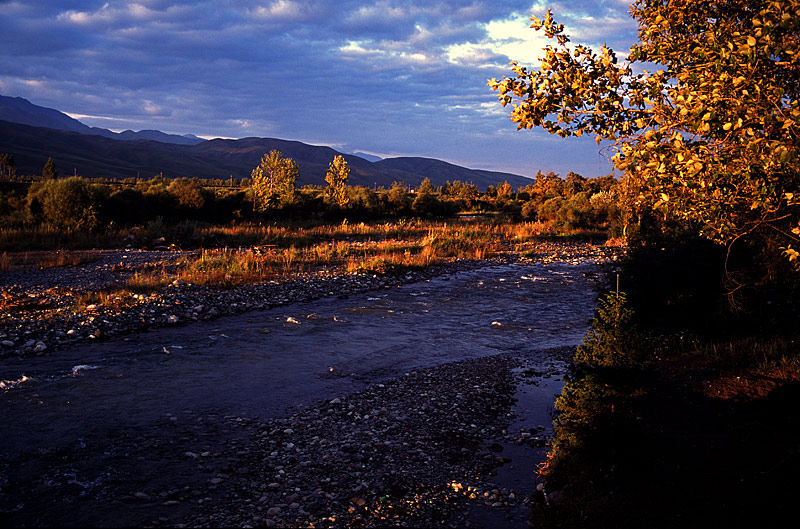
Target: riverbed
[(163, 427)]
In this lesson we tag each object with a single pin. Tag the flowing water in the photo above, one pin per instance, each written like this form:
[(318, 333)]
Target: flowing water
[(260, 364)]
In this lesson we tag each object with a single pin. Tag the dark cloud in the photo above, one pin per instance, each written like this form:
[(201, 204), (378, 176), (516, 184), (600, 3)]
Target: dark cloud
[(393, 77)]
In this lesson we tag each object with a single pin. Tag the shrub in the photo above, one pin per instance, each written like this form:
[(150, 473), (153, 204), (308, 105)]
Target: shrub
[(613, 339), (66, 204)]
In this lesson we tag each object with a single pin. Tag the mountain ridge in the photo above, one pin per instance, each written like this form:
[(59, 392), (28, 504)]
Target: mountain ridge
[(93, 152)]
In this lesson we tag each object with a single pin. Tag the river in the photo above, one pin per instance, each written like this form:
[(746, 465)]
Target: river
[(263, 364)]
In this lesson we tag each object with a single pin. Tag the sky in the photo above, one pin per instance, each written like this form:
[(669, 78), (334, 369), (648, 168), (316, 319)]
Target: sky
[(389, 78)]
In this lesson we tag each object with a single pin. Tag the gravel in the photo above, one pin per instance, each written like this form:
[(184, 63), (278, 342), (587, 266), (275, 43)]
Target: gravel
[(40, 314), (419, 450), (415, 451)]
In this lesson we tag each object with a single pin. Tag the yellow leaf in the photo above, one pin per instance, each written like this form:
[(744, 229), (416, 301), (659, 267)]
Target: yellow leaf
[(751, 41), (727, 126)]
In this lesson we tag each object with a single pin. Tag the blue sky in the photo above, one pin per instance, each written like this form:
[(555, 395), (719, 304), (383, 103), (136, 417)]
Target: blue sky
[(390, 78)]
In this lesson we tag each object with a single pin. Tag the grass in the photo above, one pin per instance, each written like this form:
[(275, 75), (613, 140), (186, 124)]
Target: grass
[(46, 259), (42, 238), (283, 251), (259, 253)]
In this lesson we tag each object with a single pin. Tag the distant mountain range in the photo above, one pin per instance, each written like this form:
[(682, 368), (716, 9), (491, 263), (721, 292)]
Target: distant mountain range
[(32, 134)]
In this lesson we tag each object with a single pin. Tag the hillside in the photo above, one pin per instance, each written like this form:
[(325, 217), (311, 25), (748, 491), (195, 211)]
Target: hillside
[(97, 156), (32, 134), (22, 111)]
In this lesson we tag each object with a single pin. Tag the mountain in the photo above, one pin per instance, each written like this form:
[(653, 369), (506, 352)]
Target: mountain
[(20, 110), (32, 134), (93, 156), (367, 157), (440, 172)]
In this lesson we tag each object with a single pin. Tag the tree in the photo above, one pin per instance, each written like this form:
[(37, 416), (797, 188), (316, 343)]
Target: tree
[(67, 204), (274, 181), (426, 186), (8, 167), (710, 136), (336, 177), (504, 190), (49, 171), (398, 199), (188, 192)]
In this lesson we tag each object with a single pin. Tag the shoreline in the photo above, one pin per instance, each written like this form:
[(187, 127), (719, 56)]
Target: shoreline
[(38, 317), (419, 449)]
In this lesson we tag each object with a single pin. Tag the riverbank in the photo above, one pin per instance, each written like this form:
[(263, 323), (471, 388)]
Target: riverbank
[(116, 434), (45, 309), (683, 442)]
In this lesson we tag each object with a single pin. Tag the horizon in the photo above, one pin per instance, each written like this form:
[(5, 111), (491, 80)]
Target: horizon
[(393, 79)]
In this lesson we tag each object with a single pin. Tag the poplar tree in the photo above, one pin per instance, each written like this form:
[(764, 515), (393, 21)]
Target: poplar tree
[(703, 115), (336, 177), (274, 181)]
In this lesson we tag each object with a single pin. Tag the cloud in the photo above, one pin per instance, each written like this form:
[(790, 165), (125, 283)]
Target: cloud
[(400, 76), (282, 10)]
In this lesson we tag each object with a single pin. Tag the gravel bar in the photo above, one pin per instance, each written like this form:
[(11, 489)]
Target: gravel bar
[(416, 451), (40, 314)]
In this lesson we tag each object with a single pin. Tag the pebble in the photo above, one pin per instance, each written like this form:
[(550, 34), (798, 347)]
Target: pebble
[(24, 328), (413, 446)]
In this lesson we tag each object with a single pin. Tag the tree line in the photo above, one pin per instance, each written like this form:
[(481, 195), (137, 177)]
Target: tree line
[(573, 203)]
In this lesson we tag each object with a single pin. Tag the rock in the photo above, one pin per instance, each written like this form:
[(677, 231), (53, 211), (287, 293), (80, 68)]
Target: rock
[(273, 511), (7, 343)]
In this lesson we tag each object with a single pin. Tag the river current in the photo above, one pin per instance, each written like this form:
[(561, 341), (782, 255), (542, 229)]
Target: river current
[(261, 364)]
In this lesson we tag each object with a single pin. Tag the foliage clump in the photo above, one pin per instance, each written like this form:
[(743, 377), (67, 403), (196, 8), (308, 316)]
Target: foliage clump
[(707, 132)]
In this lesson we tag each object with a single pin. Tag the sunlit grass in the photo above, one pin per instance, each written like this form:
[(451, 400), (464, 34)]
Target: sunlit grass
[(349, 248)]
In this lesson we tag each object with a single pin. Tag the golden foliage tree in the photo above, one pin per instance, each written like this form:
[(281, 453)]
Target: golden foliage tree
[(274, 181), (707, 131), (336, 177)]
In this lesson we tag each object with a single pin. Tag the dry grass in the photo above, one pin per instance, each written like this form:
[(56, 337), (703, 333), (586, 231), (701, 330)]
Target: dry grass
[(46, 259), (380, 248)]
